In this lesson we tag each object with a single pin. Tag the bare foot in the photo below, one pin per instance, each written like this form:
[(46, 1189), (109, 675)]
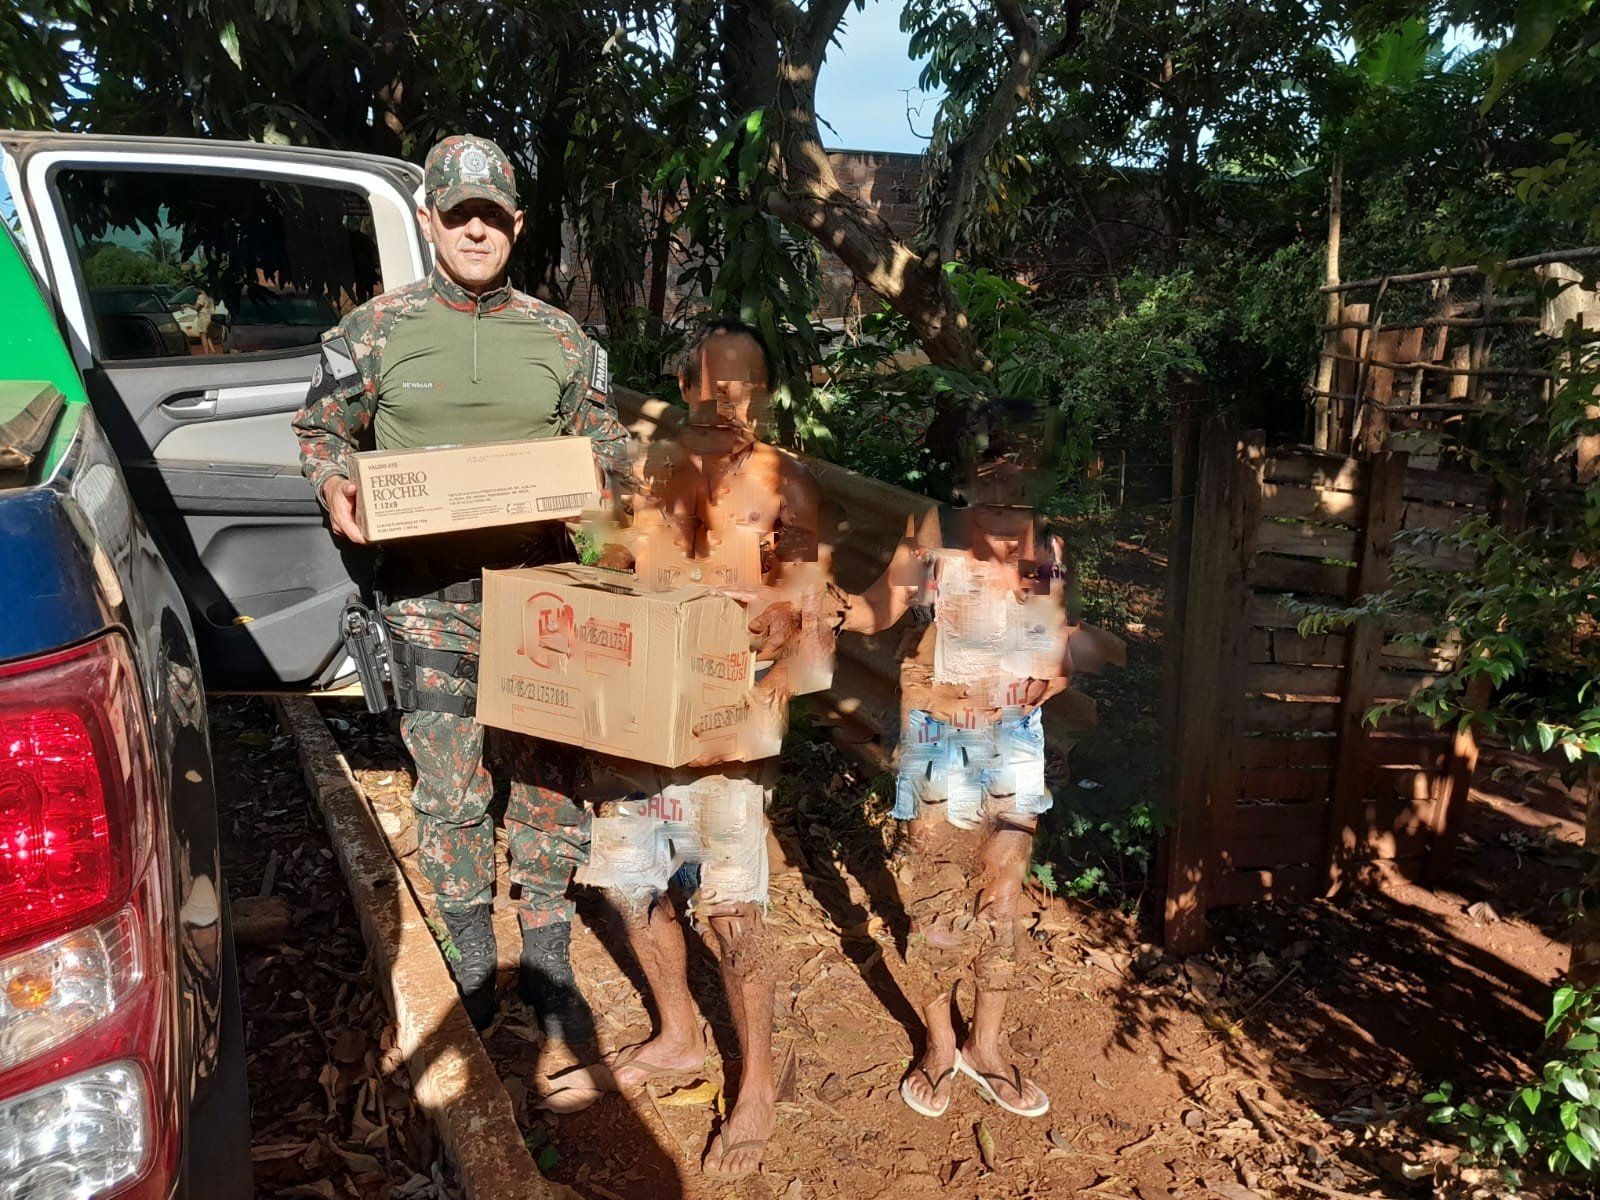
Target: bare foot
[(632, 1065), (575, 1089), (738, 1148), (1003, 1078), (931, 1078)]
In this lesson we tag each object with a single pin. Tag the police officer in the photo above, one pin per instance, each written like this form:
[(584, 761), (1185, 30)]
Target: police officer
[(462, 357)]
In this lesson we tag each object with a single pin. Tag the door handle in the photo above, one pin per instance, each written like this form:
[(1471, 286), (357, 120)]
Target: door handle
[(191, 407)]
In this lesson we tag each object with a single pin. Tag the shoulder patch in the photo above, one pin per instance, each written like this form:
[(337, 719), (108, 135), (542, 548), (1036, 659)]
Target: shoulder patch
[(338, 357), (600, 371)]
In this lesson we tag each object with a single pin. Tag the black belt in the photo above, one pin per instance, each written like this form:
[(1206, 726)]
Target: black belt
[(467, 591)]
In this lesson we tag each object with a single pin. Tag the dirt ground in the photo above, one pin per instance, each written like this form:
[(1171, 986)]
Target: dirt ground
[(1287, 1060), (330, 1101)]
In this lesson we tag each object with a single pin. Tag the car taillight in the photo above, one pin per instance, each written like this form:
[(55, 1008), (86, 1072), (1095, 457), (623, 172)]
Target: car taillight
[(88, 1097)]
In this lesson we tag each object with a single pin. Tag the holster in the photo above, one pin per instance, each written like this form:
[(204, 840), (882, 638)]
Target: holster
[(405, 658), (366, 640)]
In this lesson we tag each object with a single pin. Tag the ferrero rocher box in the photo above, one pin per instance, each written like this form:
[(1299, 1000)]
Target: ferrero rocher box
[(582, 656), (445, 489)]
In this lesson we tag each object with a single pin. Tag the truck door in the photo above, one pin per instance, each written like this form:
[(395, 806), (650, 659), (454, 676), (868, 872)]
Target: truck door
[(193, 280)]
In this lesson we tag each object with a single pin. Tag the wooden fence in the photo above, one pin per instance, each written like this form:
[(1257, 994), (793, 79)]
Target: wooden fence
[(1407, 358), (1280, 787)]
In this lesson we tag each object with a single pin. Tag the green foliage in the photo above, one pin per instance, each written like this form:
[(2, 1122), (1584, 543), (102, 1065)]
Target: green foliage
[(112, 264), (447, 945), (1104, 857), (644, 354), (746, 262), (876, 402), (1554, 1122)]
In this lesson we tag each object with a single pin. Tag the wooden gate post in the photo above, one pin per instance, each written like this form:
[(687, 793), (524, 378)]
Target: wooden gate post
[(1385, 508), (1209, 687)]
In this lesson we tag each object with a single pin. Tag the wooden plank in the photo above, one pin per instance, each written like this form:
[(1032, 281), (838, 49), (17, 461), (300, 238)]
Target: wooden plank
[(1305, 540), (1392, 827), (1270, 611), (1282, 850), (1312, 504), (1421, 753), (1406, 784), (1213, 607), (1419, 514), (1263, 715), (1320, 650), (1284, 783), (1384, 507), (1396, 685), (1270, 678), (1452, 787), (1302, 576), (1447, 487), (1314, 468), (452, 1078), (1248, 887), (1287, 751), (1184, 916), (1226, 764), (1437, 555)]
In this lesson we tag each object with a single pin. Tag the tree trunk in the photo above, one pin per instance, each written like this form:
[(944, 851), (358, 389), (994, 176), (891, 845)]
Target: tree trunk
[(812, 200)]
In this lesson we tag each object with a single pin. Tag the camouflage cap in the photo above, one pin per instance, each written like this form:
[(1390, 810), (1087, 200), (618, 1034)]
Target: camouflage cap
[(464, 167)]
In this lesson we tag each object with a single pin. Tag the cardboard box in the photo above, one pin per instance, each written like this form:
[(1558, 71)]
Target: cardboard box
[(582, 656), (446, 489)]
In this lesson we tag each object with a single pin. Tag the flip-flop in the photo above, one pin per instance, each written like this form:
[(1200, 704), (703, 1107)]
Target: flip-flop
[(917, 1106), (650, 1069), (986, 1089), (760, 1143)]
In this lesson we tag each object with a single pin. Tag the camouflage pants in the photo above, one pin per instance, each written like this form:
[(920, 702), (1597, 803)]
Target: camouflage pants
[(455, 831)]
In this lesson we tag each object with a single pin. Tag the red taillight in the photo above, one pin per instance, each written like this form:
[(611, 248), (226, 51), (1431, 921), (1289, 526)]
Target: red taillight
[(85, 948), (71, 758)]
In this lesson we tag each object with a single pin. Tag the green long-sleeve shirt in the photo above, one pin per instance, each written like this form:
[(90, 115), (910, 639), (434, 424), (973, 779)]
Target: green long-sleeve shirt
[(430, 364)]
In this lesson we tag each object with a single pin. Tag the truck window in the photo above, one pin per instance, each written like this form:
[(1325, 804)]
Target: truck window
[(183, 263)]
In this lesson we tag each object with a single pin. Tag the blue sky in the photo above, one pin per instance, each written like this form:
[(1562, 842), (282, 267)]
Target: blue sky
[(863, 89)]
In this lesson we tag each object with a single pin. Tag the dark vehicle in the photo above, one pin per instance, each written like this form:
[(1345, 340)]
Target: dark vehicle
[(267, 321), (121, 1048), (135, 321)]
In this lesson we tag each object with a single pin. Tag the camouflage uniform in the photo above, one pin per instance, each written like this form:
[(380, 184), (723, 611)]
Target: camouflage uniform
[(540, 375)]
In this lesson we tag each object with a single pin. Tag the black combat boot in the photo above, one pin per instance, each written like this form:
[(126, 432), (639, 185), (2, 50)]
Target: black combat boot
[(473, 963), (545, 981)]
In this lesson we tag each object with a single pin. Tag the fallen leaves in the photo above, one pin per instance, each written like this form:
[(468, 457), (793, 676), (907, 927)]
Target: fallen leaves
[(704, 1092), (986, 1146)]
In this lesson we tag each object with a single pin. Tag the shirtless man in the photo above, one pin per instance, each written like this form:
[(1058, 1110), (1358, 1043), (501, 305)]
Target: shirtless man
[(993, 645), (720, 507)]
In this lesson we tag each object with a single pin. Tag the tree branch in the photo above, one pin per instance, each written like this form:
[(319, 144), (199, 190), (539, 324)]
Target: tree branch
[(1029, 54), (1015, 20), (782, 13), (822, 22)]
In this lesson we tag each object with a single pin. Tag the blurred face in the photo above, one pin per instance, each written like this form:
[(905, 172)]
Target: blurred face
[(472, 241), (1000, 532), (733, 376)]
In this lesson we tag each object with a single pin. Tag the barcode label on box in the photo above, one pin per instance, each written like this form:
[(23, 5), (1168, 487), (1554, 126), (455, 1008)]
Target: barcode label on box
[(569, 500)]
